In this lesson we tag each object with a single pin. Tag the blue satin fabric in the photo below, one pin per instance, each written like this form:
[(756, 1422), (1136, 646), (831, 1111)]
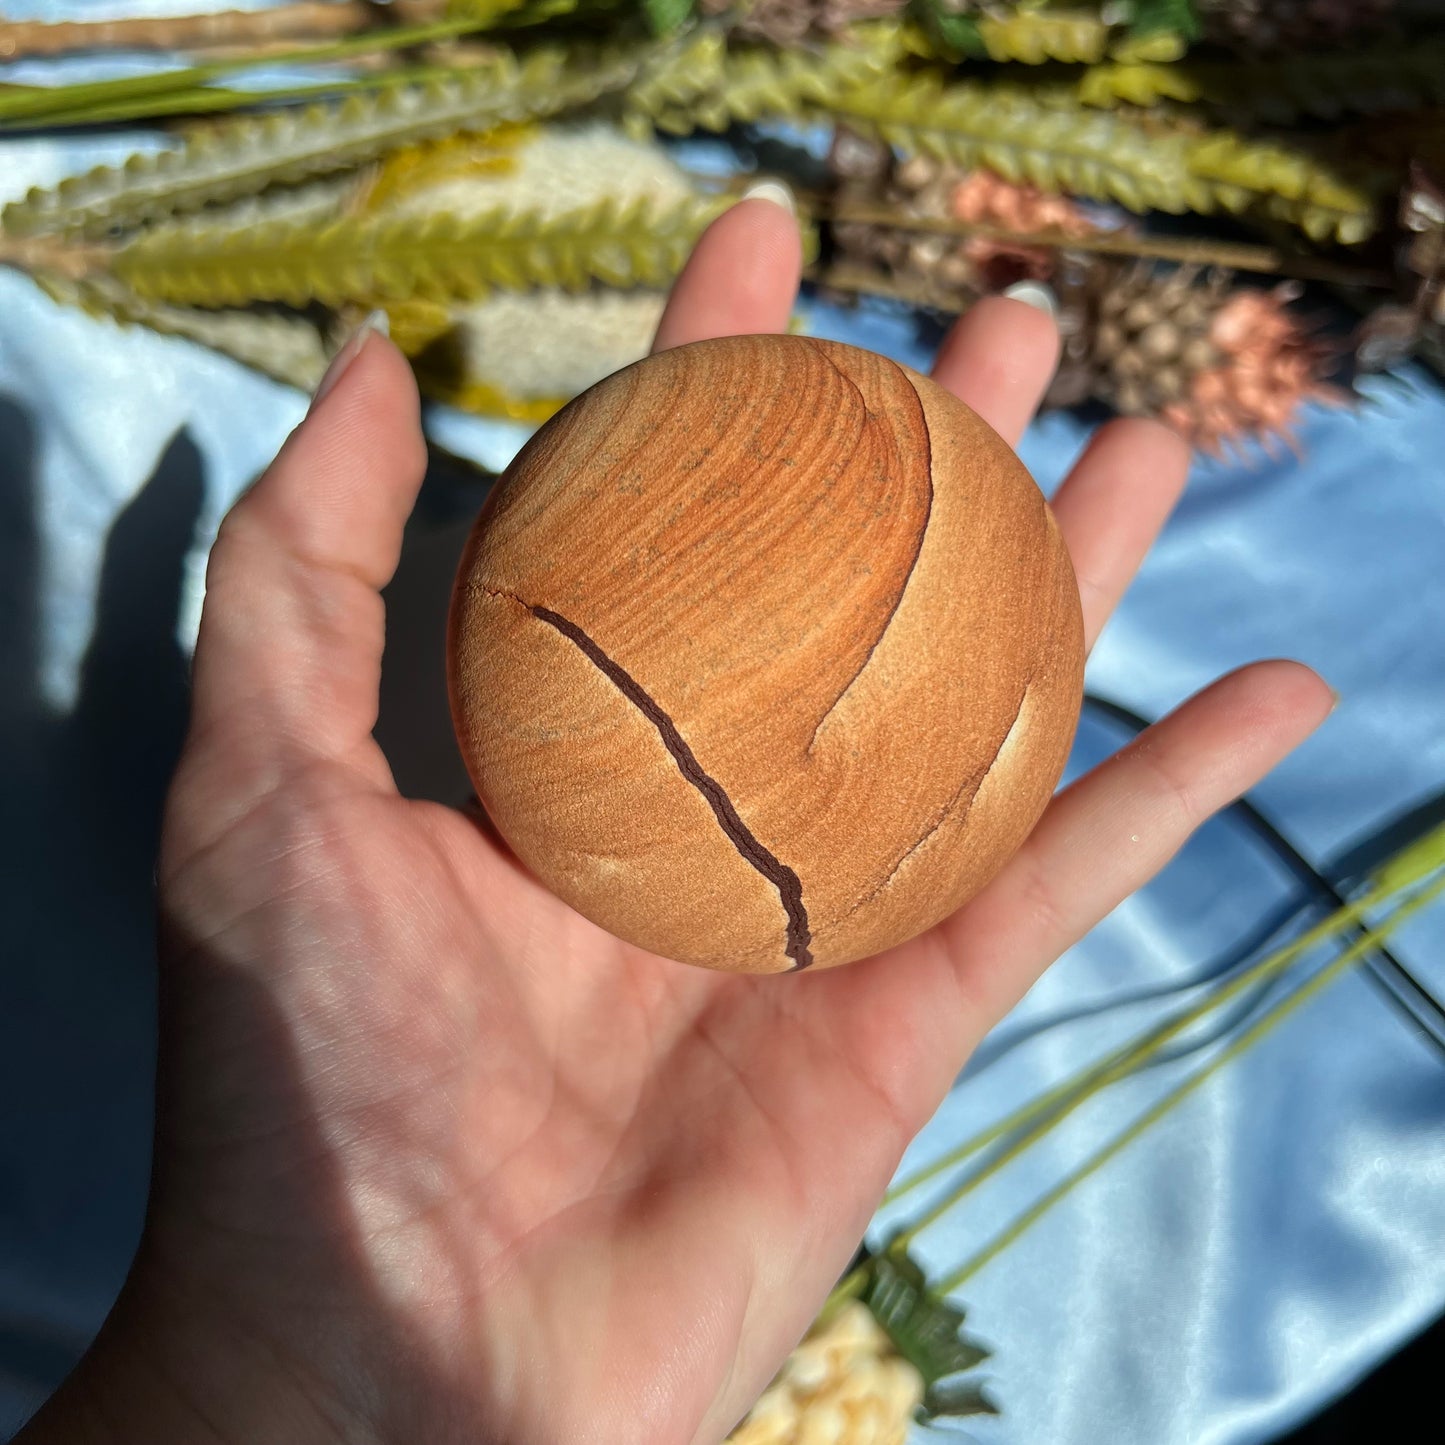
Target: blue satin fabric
[(1242, 1263)]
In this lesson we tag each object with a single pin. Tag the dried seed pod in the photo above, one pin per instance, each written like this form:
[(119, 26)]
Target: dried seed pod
[(766, 653), (915, 172), (1160, 340)]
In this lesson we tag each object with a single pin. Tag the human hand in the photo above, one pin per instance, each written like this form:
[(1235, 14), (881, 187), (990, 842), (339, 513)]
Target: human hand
[(436, 1158)]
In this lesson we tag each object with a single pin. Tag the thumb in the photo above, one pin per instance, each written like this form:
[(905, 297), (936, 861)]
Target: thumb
[(288, 658)]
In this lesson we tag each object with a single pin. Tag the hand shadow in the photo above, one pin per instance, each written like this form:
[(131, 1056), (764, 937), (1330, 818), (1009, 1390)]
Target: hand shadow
[(82, 799), (414, 724)]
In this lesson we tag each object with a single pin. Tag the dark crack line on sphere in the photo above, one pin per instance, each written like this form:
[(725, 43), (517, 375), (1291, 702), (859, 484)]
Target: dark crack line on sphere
[(790, 888)]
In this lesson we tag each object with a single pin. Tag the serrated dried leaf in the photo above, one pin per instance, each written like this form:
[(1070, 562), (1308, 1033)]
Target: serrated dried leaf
[(956, 1398), (1024, 132), (439, 257), (1040, 134), (244, 156), (709, 85), (1034, 37), (926, 1330)]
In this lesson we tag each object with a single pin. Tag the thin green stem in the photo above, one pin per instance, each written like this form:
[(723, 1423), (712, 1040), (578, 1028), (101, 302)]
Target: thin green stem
[(1243, 1041), (1041, 1113), (37, 102), (849, 1287), (207, 99)]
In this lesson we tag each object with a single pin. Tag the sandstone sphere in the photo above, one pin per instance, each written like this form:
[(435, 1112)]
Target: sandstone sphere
[(766, 653)]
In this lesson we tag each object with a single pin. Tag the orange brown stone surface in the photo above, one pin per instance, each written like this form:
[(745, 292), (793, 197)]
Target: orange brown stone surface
[(766, 654)]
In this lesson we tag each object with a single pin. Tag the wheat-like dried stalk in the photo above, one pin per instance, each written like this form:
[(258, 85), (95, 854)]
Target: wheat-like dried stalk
[(244, 156), (1014, 131), (439, 257), (711, 86), (1034, 37), (1029, 133), (673, 80), (1026, 132), (1287, 184)]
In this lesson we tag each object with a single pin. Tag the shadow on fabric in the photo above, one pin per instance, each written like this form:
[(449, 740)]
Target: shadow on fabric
[(82, 795), (81, 814)]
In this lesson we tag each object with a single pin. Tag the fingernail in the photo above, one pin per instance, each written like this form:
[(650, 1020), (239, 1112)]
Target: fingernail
[(1336, 701), (774, 191), (1035, 294), (377, 324)]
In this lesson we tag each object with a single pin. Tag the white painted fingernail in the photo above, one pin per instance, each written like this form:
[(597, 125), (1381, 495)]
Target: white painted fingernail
[(1035, 294), (774, 191), (377, 324)]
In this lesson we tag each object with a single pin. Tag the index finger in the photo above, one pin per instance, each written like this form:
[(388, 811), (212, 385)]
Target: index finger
[(742, 277), (999, 358)]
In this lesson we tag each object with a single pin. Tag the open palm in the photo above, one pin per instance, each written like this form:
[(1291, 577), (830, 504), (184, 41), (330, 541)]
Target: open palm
[(437, 1159)]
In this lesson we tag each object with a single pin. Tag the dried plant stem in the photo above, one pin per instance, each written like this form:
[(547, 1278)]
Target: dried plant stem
[(1242, 1042), (40, 102), (214, 99), (308, 20), (1040, 1115), (244, 157), (1229, 255), (866, 281)]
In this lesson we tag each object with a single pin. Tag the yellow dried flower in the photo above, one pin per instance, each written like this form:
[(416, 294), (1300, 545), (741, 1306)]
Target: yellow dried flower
[(844, 1385)]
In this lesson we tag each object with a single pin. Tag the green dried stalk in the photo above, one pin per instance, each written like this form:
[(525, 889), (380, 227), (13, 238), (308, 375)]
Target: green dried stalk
[(676, 78), (1034, 37), (200, 100), (289, 349), (1324, 86), (1241, 1043), (1027, 135), (1026, 132), (634, 243), (243, 157), (709, 86), (1032, 133), (1287, 184), (511, 12), (1028, 37)]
